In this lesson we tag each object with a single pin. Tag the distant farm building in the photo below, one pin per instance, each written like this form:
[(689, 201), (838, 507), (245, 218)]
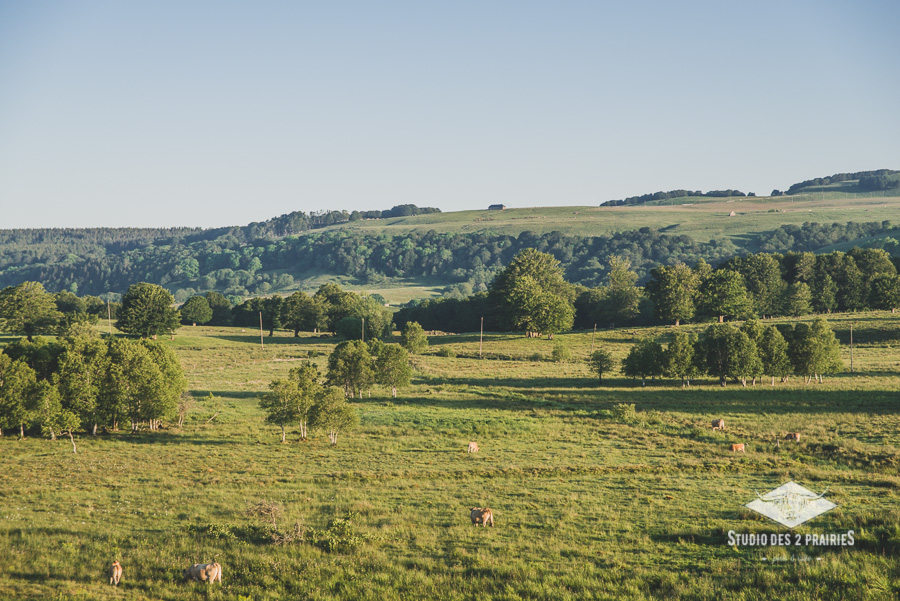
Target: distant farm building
[(496, 207)]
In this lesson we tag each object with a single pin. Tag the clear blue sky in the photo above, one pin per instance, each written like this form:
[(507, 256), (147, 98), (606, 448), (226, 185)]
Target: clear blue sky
[(215, 113)]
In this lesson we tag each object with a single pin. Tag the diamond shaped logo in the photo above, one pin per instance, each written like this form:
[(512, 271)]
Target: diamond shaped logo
[(791, 504)]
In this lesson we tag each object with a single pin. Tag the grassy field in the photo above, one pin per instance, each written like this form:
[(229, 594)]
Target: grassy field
[(701, 218), (589, 502)]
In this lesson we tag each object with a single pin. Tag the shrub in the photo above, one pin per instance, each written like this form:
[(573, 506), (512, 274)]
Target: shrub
[(446, 352), (561, 353)]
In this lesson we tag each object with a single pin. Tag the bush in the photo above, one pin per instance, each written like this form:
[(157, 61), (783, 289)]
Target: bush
[(561, 353), (446, 352), (624, 412)]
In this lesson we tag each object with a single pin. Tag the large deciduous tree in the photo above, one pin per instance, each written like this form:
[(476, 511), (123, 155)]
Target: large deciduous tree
[(196, 310), (531, 294), (413, 338), (644, 360), (17, 390), (680, 358), (147, 311), (673, 291), (302, 313), (723, 294), (28, 309)]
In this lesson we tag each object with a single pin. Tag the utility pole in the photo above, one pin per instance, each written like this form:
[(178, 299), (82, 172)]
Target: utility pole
[(261, 343), (481, 338), (851, 347)]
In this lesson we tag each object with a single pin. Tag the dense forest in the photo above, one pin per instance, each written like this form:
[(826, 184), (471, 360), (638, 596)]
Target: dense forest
[(238, 267)]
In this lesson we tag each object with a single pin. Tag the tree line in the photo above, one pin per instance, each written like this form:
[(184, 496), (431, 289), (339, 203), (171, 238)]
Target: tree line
[(653, 196), (726, 352), (532, 295)]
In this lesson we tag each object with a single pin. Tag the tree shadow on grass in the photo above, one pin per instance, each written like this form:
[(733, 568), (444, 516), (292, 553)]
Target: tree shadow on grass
[(279, 340), (706, 401)]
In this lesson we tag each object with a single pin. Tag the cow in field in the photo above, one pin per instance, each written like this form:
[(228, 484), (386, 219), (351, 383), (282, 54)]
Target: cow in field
[(473, 447), (793, 436), (718, 424), (737, 447), (115, 573), (482, 516), (204, 572)]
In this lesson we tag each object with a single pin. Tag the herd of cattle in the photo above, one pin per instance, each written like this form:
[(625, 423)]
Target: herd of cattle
[(719, 424), (212, 572), (199, 572)]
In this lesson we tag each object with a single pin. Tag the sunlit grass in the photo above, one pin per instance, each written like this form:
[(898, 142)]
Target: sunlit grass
[(587, 505)]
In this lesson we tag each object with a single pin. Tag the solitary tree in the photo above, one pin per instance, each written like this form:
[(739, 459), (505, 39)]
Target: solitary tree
[(392, 367), (601, 362), (413, 338), (147, 311), (333, 413)]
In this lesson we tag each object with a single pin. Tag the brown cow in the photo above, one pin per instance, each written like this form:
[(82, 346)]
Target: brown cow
[(473, 447), (115, 573), (204, 572), (718, 424), (737, 447), (482, 516), (793, 436)]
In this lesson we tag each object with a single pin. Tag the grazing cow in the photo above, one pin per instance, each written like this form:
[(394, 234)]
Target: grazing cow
[(482, 516), (473, 447), (115, 573), (204, 572), (718, 424), (737, 447), (793, 436)]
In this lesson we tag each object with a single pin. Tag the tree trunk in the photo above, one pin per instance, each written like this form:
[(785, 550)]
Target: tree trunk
[(677, 322), (722, 382), (94, 429), (721, 318), (52, 434), (72, 438), (22, 431), (773, 380), (394, 391), (283, 434), (682, 381)]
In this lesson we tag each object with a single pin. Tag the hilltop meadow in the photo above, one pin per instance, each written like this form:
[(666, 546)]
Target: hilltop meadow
[(591, 499)]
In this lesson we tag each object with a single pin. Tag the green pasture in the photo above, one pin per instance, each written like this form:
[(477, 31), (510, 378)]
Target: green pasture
[(590, 502), (703, 219)]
